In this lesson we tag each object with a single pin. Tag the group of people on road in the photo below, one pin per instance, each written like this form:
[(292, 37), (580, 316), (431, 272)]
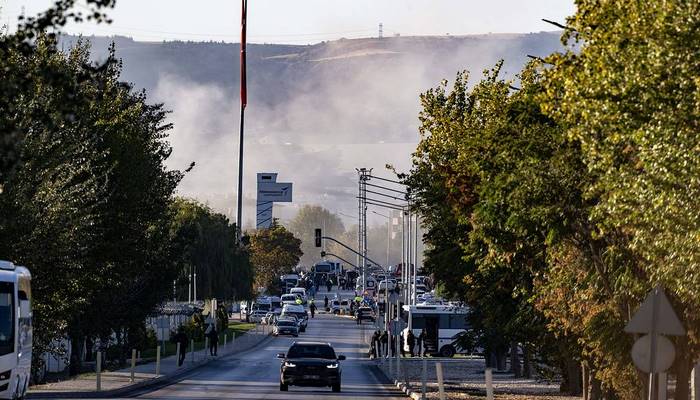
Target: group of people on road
[(383, 344), (183, 340)]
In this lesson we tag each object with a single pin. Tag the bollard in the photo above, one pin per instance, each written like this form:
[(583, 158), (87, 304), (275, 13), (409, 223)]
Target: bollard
[(489, 384), (177, 354), (398, 358), (98, 371), (662, 385), (133, 363), (192, 347), (233, 341), (695, 382), (158, 360), (424, 380), (225, 336), (138, 355), (441, 383)]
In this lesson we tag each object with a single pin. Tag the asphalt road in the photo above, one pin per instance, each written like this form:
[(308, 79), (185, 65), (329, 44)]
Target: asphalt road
[(255, 374)]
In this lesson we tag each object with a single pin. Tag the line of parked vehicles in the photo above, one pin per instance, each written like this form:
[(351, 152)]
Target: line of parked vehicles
[(287, 314)]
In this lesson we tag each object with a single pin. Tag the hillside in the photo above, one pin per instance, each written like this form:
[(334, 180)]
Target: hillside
[(315, 111)]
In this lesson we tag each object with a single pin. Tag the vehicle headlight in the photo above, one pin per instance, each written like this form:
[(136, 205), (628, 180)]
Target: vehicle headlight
[(289, 364), (334, 365)]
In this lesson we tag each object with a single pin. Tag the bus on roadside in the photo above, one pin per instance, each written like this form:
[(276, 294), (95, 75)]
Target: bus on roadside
[(441, 323), (15, 330)]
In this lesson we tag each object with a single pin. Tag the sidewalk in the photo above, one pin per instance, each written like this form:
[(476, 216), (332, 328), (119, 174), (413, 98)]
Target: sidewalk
[(464, 379), (118, 383)]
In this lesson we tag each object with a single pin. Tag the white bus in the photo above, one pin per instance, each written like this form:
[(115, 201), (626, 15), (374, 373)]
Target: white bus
[(15, 330), (442, 323)]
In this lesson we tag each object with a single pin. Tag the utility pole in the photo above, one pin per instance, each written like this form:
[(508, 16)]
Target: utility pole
[(381, 30), (364, 175), (244, 102), (195, 283)]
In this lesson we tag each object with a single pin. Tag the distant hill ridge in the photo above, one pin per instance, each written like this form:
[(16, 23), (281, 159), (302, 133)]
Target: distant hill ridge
[(215, 62)]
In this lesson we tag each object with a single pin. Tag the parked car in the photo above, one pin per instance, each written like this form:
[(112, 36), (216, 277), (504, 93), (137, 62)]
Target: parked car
[(270, 318), (285, 327), (296, 311), (257, 316), (299, 291), (339, 305), (387, 284), (289, 298), (364, 313), (310, 364)]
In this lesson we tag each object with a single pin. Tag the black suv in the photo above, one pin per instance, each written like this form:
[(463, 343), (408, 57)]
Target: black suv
[(310, 364)]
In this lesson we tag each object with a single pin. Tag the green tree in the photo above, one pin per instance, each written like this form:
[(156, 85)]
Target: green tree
[(304, 224), (207, 242), (273, 252), (629, 95)]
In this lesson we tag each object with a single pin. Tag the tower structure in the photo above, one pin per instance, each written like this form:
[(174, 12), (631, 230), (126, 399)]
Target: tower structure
[(381, 30), (364, 175)]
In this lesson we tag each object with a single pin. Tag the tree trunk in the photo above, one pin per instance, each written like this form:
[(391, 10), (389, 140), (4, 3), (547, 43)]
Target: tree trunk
[(515, 360), (527, 364), (76, 355), (596, 392), (501, 359), (684, 366), (571, 383)]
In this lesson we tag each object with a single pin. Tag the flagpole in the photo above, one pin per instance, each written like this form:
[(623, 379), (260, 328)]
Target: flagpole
[(244, 101)]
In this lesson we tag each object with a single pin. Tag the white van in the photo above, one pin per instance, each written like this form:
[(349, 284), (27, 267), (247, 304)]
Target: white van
[(299, 291), (289, 299)]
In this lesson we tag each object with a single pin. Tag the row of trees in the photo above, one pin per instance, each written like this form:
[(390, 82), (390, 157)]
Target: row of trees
[(86, 201), (554, 207)]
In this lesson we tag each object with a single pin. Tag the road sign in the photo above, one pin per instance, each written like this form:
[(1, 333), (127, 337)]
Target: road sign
[(275, 191), (641, 354), (665, 321)]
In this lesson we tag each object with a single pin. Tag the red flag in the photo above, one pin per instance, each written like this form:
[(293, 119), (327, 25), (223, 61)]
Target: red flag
[(244, 89)]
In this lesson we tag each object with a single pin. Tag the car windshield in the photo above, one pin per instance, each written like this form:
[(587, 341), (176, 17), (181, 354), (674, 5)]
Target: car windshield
[(285, 323), (311, 351), (7, 316)]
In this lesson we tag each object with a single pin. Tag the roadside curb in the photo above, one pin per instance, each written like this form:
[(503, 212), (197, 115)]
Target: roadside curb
[(128, 390), (407, 390)]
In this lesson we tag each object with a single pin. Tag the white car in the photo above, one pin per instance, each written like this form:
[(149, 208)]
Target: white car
[(420, 289), (388, 284), (339, 305), (299, 291), (257, 316), (289, 299)]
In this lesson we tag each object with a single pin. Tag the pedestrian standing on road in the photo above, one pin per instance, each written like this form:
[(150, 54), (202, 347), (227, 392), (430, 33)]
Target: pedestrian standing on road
[(329, 285), (325, 302), (403, 350), (385, 342), (312, 308), (392, 345), (377, 343), (358, 316), (213, 341), (421, 342), (411, 341), (181, 337)]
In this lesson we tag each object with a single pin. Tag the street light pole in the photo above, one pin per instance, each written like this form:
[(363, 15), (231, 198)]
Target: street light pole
[(244, 102)]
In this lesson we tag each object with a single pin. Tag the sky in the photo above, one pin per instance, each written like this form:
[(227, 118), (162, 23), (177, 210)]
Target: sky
[(308, 21)]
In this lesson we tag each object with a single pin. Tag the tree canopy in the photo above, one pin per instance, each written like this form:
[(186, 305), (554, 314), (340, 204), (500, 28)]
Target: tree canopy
[(273, 252)]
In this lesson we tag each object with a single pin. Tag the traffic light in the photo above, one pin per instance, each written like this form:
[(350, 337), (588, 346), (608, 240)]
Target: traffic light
[(323, 254), (318, 237)]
